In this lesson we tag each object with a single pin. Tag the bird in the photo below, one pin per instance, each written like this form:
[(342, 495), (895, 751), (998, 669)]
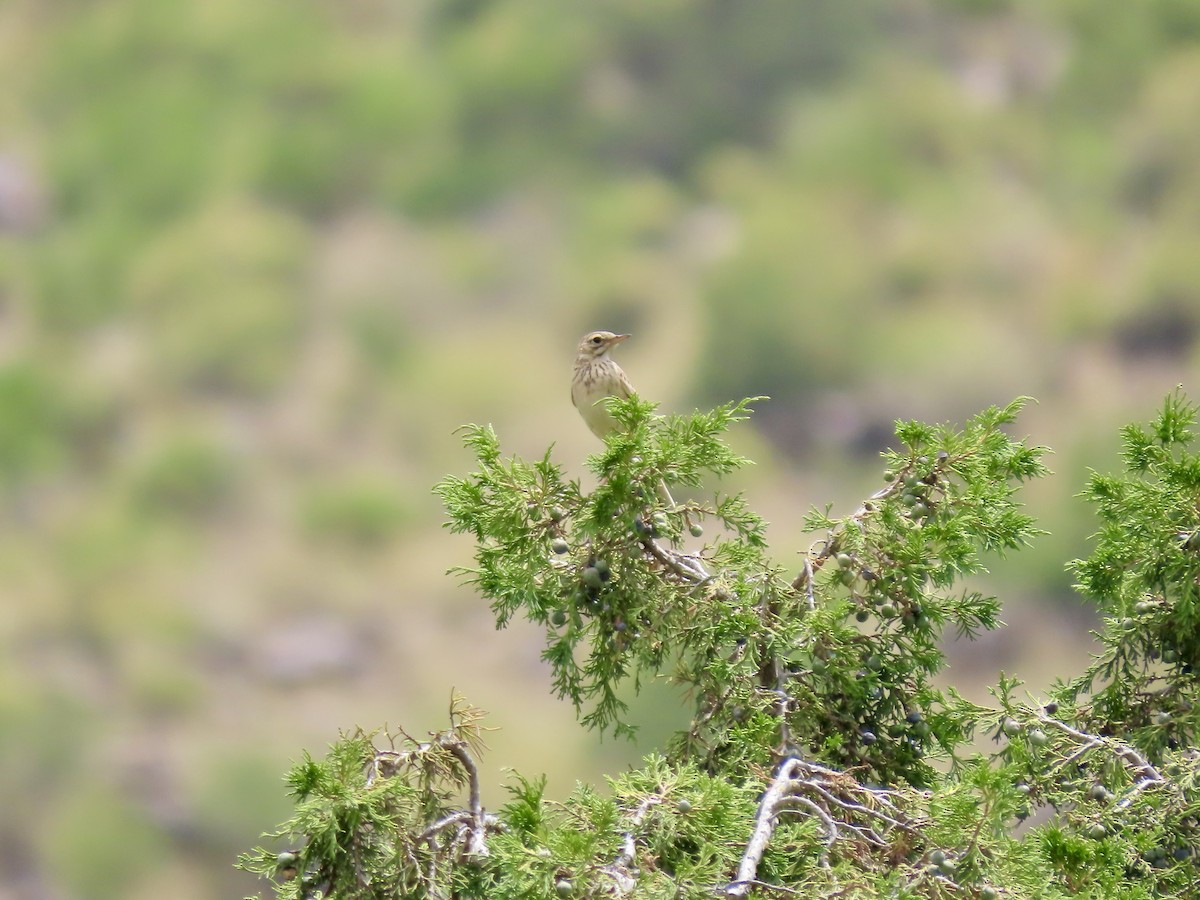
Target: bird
[(598, 376)]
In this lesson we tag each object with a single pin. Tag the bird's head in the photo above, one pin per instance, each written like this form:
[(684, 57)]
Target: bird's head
[(596, 344)]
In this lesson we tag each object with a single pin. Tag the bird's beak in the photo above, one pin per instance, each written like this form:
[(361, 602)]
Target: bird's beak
[(617, 338)]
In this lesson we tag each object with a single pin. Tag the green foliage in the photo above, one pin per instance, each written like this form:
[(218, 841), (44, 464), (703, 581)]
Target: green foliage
[(362, 811), (1144, 574), (589, 568), (607, 575), (806, 765), (1113, 752)]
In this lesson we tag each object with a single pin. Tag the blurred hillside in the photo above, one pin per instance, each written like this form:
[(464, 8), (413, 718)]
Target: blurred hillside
[(258, 260)]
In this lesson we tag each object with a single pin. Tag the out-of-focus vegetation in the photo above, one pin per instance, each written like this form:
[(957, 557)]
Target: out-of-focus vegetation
[(257, 260)]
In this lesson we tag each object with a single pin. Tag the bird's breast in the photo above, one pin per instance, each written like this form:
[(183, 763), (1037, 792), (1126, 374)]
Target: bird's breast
[(591, 384)]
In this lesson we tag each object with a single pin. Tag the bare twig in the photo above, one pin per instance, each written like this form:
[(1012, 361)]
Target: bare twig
[(1145, 774), (447, 755), (477, 846), (384, 763), (860, 809), (764, 827), (813, 562), (458, 817), (808, 576), (621, 869), (777, 888), (831, 829), (686, 566), (846, 809)]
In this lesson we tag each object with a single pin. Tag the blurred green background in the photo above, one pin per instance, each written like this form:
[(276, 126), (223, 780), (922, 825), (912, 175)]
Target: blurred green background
[(258, 260)]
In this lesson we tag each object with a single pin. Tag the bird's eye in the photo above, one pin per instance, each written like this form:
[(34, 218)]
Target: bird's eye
[(597, 339)]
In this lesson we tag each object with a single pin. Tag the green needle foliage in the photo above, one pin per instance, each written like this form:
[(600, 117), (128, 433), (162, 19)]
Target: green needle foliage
[(1145, 577), (601, 571), (821, 759)]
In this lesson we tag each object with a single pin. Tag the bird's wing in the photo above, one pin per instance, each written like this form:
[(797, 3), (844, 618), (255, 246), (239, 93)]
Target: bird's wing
[(624, 388)]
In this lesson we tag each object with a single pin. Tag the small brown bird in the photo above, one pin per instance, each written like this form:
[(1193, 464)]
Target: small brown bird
[(597, 376)]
